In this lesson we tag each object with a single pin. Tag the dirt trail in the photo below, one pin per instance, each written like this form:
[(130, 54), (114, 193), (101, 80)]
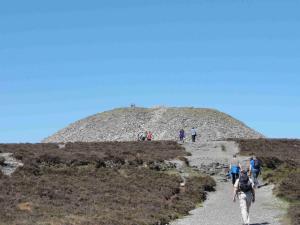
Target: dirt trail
[(219, 209)]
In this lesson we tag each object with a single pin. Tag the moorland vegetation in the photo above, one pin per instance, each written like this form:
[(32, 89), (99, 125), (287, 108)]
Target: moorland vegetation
[(97, 183)]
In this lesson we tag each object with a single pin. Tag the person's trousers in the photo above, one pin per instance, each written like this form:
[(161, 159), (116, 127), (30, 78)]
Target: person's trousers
[(234, 177), (245, 203), (193, 138), (254, 175)]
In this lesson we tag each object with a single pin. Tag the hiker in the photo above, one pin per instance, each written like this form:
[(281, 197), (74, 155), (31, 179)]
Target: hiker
[(254, 169), (149, 136), (234, 169), (244, 190), (194, 134), (142, 136), (181, 135)]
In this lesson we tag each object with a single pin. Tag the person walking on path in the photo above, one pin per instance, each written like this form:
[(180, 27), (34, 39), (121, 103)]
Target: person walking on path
[(181, 135), (149, 136), (194, 134), (234, 168), (255, 169), (244, 190)]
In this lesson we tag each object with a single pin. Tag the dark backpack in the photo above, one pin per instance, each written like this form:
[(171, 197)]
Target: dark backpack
[(256, 164), (244, 183)]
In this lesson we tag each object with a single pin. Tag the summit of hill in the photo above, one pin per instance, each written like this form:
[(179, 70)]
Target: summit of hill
[(125, 124)]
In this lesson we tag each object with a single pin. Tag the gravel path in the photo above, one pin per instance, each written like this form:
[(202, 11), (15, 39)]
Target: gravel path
[(219, 209)]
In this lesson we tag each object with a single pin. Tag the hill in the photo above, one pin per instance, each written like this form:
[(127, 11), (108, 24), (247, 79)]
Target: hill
[(124, 124)]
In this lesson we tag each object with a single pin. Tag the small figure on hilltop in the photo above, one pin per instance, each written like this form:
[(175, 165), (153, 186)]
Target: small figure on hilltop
[(244, 190), (234, 168), (254, 169), (194, 134), (149, 136), (181, 135)]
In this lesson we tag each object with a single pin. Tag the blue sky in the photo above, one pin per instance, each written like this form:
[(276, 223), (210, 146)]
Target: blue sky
[(61, 61)]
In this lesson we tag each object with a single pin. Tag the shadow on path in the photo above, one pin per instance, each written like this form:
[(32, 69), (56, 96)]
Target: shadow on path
[(264, 223), (262, 185)]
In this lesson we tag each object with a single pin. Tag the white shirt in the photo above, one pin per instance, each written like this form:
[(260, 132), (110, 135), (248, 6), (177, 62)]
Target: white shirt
[(193, 131)]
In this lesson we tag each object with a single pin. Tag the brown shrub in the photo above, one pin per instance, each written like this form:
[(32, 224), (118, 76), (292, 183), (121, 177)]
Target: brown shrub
[(91, 183), (276, 151), (84, 153), (294, 213), (289, 187)]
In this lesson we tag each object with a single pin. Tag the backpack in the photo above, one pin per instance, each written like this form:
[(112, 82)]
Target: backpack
[(244, 183), (256, 164)]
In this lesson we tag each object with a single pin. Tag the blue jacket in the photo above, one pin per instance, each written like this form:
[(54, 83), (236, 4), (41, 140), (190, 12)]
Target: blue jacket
[(235, 169)]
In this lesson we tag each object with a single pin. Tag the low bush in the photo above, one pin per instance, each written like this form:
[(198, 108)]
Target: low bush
[(96, 183)]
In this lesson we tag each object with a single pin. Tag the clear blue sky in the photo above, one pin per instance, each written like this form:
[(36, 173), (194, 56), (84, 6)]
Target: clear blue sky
[(61, 61)]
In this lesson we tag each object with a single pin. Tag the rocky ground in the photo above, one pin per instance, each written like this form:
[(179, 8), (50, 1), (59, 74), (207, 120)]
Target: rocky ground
[(124, 124), (213, 157), (8, 164)]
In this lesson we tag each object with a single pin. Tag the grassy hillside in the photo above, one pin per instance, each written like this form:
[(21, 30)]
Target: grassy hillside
[(281, 161), (97, 183)]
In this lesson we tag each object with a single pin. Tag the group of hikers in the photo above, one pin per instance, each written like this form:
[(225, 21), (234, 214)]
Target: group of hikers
[(182, 134), (244, 177), (245, 181), (148, 136)]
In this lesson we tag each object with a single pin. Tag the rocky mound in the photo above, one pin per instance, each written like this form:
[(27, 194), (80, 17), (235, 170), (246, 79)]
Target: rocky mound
[(124, 124)]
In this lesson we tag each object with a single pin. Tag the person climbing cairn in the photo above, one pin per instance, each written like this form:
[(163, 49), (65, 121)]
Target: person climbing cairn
[(194, 134), (142, 136), (181, 135), (149, 136)]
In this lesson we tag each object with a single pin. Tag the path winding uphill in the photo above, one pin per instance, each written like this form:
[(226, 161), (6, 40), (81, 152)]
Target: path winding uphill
[(219, 209)]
